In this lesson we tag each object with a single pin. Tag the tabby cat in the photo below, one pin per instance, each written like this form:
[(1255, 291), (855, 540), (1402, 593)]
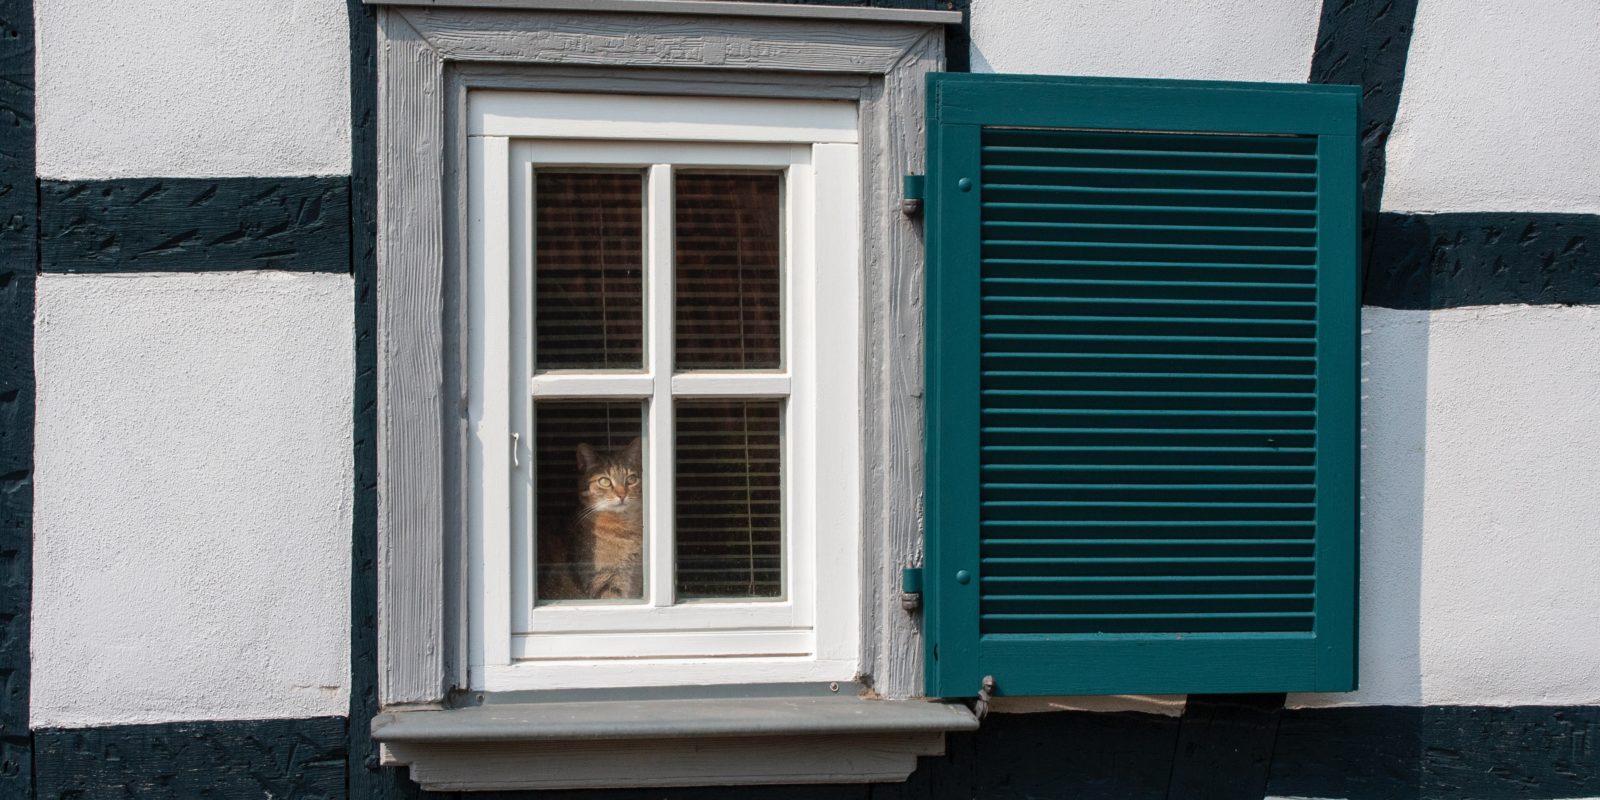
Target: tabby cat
[(601, 554)]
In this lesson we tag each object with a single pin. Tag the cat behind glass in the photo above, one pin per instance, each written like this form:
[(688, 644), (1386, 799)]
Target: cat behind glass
[(600, 555)]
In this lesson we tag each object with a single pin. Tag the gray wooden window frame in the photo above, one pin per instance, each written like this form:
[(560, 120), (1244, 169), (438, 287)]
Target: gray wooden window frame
[(430, 55)]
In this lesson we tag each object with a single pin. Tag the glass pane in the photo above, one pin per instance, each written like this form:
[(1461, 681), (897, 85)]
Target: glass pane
[(589, 273), (729, 504), (590, 494), (728, 302)]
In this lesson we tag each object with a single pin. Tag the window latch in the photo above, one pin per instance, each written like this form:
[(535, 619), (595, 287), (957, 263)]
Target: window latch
[(516, 441), (911, 588), (911, 196)]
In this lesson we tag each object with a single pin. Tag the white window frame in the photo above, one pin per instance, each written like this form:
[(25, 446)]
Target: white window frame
[(812, 633)]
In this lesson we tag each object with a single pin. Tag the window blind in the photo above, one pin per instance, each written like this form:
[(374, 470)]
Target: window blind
[(729, 505), (588, 270), (727, 271), (562, 425)]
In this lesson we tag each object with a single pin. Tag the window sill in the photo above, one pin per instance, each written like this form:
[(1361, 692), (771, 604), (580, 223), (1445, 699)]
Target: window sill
[(667, 742)]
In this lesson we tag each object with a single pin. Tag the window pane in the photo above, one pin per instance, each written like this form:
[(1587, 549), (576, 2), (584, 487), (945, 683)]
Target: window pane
[(728, 301), (589, 284), (729, 504), (590, 490)]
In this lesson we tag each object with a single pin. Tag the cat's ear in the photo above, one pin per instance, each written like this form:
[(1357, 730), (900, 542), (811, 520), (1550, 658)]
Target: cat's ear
[(586, 457), (632, 454)]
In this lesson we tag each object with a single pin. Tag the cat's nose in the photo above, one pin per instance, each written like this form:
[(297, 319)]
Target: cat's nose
[(622, 492)]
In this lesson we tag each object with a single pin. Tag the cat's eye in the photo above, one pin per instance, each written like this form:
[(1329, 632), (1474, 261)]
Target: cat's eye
[(581, 455), (633, 480)]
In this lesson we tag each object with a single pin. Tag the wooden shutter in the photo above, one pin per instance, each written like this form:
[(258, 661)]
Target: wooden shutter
[(1142, 386)]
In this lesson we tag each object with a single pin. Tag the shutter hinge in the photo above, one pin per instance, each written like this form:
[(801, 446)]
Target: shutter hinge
[(911, 588), (980, 709), (911, 196)]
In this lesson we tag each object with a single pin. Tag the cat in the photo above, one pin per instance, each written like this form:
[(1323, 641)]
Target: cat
[(601, 554)]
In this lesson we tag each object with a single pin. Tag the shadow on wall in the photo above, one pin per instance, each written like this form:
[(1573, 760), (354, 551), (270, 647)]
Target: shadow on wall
[(1394, 424), (1394, 433), (1436, 753)]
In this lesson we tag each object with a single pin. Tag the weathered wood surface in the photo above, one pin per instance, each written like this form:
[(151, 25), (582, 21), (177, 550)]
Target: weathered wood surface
[(195, 224), (415, 375), (893, 405), (411, 521), (824, 10), (18, 265), (638, 40), (294, 758), (557, 78), (1427, 261), (1438, 752), (669, 762), (1225, 747)]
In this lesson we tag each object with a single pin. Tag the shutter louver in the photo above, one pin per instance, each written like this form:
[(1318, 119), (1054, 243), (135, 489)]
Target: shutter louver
[(1141, 386)]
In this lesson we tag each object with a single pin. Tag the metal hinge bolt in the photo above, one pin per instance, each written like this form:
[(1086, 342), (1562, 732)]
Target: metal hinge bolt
[(985, 694), (911, 588), (911, 196)]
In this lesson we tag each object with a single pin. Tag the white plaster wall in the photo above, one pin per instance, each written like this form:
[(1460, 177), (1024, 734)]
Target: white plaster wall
[(193, 88), (1243, 40), (1481, 491), (193, 497), (1501, 109)]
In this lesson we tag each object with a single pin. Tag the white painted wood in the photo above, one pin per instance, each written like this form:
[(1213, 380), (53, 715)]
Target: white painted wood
[(659, 299), (523, 510), (623, 673), (730, 384), (697, 615), (718, 8), (663, 644), (835, 379), (645, 153), (590, 384), (489, 76), (556, 632), (657, 762), (800, 290), (491, 460), (558, 115)]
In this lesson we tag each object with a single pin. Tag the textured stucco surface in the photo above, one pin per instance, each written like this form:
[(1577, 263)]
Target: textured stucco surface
[(193, 500), (1500, 110), (1202, 39), (1480, 491), (193, 88)]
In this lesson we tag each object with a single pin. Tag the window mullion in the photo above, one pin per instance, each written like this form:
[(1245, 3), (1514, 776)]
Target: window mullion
[(659, 337)]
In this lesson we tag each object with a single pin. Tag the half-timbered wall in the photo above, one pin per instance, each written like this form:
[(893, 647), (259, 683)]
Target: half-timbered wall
[(186, 406)]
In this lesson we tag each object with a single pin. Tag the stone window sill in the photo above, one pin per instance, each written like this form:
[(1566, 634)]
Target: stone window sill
[(673, 741)]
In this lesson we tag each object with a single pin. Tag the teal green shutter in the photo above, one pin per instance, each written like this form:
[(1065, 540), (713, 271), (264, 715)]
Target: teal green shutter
[(1142, 393)]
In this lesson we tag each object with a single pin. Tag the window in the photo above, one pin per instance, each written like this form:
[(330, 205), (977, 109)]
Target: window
[(508, 335), (663, 390)]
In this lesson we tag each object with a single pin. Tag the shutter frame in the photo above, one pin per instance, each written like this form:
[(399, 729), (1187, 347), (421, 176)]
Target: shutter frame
[(960, 107)]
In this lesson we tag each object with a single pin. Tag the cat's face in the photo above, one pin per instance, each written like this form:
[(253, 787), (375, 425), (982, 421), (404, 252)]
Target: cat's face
[(610, 481)]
